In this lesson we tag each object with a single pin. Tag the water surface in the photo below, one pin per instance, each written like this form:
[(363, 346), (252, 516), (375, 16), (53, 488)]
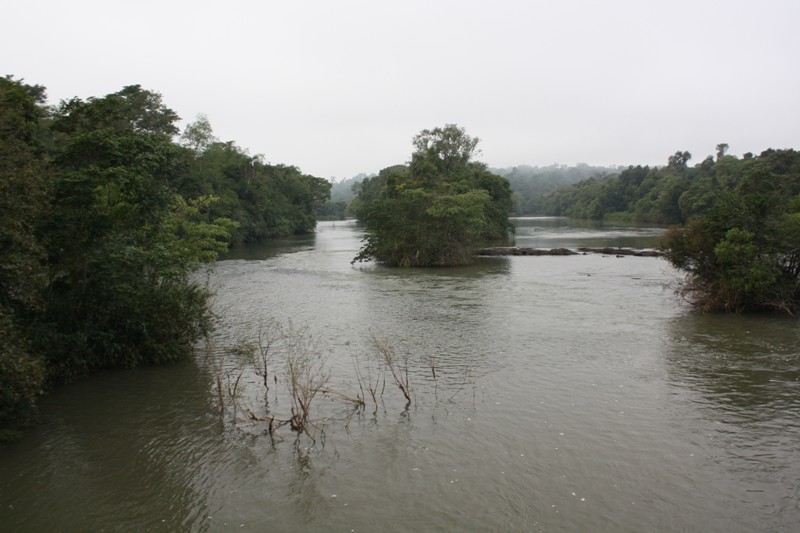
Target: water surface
[(572, 393)]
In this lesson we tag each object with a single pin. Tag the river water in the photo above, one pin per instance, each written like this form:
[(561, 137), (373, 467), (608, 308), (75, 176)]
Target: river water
[(568, 393)]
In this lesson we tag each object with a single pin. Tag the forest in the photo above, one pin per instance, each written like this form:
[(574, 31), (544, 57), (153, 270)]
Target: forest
[(108, 210), (669, 194)]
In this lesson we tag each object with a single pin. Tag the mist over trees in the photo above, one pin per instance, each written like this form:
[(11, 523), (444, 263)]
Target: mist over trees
[(105, 217), (338, 207), (531, 185)]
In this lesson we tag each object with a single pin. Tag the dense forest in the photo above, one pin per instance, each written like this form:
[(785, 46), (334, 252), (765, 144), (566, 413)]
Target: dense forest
[(662, 195), (740, 243), (266, 201), (669, 194), (107, 211)]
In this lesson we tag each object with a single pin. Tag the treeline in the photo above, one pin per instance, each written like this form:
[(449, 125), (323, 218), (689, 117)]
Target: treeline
[(267, 201), (106, 213), (671, 194), (532, 185)]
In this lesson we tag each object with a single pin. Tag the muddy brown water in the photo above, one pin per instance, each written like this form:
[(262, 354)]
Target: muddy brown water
[(572, 393)]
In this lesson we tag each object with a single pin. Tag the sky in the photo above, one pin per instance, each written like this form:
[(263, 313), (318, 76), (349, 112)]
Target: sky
[(340, 87)]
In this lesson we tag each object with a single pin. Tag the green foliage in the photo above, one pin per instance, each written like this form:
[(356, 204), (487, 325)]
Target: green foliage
[(121, 243), (740, 237), (198, 240), (198, 135), (743, 253), (267, 201), (24, 197), (438, 209), (131, 109), (671, 194), (106, 218)]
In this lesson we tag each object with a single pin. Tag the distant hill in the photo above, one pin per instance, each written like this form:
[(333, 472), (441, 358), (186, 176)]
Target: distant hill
[(341, 195)]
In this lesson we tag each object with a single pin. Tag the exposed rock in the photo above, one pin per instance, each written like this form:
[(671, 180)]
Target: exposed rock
[(524, 251), (618, 252)]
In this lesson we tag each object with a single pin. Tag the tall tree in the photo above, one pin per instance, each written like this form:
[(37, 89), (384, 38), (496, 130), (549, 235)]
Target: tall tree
[(198, 135), (23, 199), (121, 243)]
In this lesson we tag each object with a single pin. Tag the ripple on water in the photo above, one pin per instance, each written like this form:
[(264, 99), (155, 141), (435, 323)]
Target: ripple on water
[(571, 394)]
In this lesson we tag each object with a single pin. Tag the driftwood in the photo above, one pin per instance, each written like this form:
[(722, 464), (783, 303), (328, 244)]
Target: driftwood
[(618, 252)]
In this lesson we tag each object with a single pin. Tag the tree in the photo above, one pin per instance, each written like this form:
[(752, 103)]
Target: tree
[(679, 160), (267, 201), (436, 210), (442, 152), (133, 109), (120, 241), (105, 218), (24, 193), (743, 254), (24, 198), (198, 135)]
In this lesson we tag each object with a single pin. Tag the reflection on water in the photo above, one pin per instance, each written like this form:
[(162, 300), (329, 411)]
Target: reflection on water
[(103, 447), (742, 375), (742, 362), (570, 394), (270, 249)]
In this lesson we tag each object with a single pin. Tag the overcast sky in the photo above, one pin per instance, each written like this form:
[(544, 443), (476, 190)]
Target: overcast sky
[(340, 87)]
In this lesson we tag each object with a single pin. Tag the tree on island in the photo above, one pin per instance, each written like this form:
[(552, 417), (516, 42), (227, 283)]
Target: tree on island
[(436, 210)]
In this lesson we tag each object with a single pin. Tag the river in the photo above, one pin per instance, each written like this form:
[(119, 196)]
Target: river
[(554, 393)]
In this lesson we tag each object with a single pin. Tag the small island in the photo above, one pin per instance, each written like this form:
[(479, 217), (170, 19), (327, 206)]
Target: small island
[(436, 210)]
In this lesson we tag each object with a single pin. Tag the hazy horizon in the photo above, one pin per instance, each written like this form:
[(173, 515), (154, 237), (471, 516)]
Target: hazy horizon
[(338, 89)]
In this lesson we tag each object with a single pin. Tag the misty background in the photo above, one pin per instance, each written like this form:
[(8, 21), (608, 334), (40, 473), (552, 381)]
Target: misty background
[(340, 88)]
